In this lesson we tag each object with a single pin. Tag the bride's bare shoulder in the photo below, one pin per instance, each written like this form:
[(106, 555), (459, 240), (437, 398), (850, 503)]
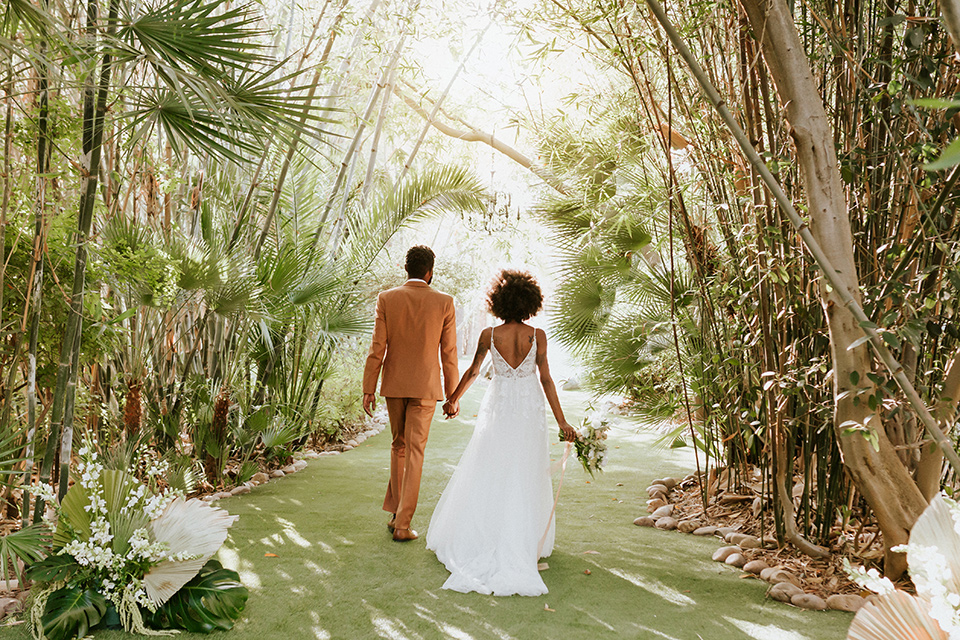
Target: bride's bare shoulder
[(485, 336), (541, 339)]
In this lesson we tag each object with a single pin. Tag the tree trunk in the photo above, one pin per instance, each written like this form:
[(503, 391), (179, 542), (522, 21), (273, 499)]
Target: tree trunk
[(930, 467), (878, 473)]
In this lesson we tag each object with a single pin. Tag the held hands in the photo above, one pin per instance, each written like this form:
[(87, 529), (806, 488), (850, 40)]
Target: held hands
[(569, 434), (451, 409), (369, 403)]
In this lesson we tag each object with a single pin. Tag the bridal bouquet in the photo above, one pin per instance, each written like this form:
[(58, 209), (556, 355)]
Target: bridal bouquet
[(122, 553), (591, 442)]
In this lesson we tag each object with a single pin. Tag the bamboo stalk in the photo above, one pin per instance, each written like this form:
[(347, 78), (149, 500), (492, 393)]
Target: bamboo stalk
[(95, 107), (385, 72), (895, 369)]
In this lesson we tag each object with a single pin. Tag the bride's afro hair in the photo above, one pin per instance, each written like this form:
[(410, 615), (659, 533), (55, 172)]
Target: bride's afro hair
[(514, 296)]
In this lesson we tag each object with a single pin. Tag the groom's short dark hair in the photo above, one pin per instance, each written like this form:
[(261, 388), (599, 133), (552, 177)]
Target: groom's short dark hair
[(419, 261)]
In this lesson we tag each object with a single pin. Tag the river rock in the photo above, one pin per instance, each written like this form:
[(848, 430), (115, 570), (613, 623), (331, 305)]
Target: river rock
[(299, 465), (352, 443), (721, 554), (784, 592), (723, 531), (656, 490), (645, 521), (238, 491), (11, 584), (260, 477), (277, 473), (749, 542), (667, 523), (688, 526), (669, 483), (736, 560), (655, 503), (755, 566), (782, 575), (208, 498), (845, 602), (705, 531), (311, 455), (8, 605), (289, 469), (766, 573), (223, 494), (808, 601), (663, 512)]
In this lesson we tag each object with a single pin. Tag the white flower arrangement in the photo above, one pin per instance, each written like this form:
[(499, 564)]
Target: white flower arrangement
[(933, 557), (117, 538)]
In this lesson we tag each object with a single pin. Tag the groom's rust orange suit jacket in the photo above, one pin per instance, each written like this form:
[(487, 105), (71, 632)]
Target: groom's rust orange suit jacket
[(413, 323)]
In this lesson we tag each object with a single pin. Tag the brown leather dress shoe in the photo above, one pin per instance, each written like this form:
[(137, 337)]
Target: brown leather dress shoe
[(404, 535), (391, 526)]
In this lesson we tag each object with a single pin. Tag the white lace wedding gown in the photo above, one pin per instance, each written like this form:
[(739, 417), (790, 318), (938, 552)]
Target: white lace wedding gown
[(497, 506)]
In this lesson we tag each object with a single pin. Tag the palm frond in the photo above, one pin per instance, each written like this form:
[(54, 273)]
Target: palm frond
[(200, 34), (27, 545), (428, 192)]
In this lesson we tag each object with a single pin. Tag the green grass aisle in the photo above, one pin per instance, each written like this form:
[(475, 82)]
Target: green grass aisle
[(337, 573)]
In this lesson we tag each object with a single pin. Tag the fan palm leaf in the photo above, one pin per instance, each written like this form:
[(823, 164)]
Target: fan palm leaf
[(895, 616), (187, 527), (201, 34)]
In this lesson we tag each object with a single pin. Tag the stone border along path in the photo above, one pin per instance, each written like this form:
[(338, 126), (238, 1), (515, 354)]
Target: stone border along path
[(315, 553), (785, 586), (374, 426)]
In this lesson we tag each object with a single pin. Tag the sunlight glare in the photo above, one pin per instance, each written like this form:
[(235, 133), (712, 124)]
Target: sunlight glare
[(655, 587), (659, 634), (448, 630), (291, 532), (230, 559), (765, 631)]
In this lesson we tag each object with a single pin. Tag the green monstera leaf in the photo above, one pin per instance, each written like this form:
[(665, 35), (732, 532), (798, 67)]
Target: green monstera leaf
[(53, 568), (71, 612), (212, 601)]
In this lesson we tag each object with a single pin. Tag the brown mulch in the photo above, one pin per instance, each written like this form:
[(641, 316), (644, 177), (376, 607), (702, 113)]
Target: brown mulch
[(740, 509)]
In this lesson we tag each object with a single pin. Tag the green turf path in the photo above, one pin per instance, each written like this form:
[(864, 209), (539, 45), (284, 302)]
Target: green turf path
[(337, 573)]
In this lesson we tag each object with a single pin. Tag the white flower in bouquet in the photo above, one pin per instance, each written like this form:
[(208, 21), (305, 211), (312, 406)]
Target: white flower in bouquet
[(134, 547), (933, 557)]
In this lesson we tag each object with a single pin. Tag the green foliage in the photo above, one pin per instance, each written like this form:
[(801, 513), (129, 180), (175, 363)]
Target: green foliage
[(28, 545), (75, 518), (213, 600), (53, 568), (71, 612)]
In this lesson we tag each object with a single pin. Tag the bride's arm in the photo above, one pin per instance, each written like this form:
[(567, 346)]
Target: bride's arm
[(549, 388), (453, 402)]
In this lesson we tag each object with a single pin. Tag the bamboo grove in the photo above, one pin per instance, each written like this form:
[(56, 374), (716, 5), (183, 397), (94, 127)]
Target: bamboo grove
[(690, 289), (191, 210)]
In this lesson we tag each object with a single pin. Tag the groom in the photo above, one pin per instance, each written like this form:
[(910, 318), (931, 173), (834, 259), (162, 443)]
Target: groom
[(413, 324)]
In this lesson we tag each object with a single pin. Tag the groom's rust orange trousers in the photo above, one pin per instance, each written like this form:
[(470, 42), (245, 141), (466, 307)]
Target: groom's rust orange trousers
[(414, 324)]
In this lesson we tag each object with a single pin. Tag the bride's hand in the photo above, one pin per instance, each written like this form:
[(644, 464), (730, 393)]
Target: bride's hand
[(451, 409), (568, 432)]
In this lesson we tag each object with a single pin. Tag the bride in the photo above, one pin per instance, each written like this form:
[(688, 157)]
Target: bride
[(494, 519)]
